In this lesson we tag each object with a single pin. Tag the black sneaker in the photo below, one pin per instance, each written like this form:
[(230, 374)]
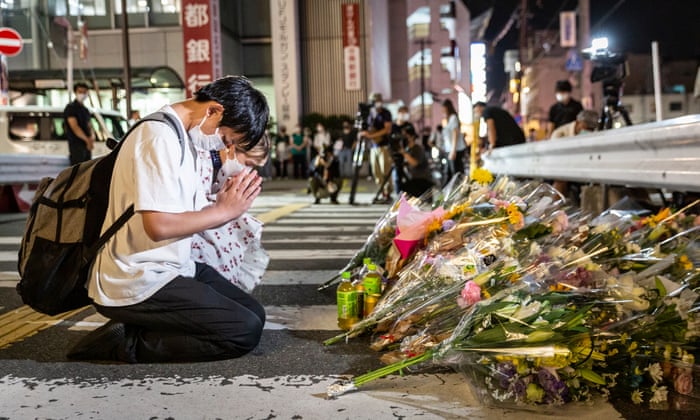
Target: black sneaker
[(101, 344)]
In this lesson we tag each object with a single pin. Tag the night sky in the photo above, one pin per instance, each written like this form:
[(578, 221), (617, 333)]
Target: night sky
[(630, 25)]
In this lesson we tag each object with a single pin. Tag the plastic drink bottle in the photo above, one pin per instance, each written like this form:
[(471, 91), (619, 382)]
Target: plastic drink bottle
[(346, 298), (372, 281)]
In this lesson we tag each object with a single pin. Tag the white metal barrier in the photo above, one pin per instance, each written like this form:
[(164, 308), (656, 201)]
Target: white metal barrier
[(663, 154)]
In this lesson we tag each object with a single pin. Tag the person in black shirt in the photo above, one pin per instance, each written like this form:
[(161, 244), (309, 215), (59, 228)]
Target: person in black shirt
[(81, 138), (379, 123), (501, 126), (565, 109), (416, 167)]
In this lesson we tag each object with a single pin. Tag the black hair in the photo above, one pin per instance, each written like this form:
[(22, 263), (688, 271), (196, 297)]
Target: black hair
[(482, 104), (409, 130), (447, 103), (563, 86), (245, 108), (80, 85)]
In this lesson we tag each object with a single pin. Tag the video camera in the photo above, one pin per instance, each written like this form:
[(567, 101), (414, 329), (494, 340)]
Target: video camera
[(362, 115), (609, 68)]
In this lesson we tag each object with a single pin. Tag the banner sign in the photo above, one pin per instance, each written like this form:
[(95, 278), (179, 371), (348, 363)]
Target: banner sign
[(285, 61), (351, 46), (201, 32), (567, 29)]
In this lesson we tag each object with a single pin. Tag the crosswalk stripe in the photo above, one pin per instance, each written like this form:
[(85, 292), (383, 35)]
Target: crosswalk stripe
[(320, 221), (291, 229), (315, 253), (10, 240)]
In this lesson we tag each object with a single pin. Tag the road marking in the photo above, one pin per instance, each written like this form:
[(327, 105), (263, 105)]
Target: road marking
[(8, 256), (273, 215), (10, 240), (307, 254), (23, 322), (294, 229), (320, 220)]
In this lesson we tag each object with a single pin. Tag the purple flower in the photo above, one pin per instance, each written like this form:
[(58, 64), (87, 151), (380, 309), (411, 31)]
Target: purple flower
[(520, 389), (448, 224), (555, 389), (505, 371)]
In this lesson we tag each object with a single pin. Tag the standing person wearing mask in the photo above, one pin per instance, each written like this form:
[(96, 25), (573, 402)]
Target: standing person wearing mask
[(349, 139), (322, 138), (81, 137), (298, 148), (453, 140), (164, 306), (564, 110), (379, 131)]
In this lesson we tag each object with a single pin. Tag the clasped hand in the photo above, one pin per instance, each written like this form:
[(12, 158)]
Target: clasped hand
[(238, 192)]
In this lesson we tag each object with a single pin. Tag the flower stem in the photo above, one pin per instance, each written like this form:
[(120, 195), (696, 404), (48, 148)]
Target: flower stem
[(392, 368)]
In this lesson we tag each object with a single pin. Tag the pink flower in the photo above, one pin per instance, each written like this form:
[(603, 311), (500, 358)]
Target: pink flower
[(469, 295), (683, 383), (560, 222)]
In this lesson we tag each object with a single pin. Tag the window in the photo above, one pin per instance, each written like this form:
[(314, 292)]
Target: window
[(675, 106), (24, 127)]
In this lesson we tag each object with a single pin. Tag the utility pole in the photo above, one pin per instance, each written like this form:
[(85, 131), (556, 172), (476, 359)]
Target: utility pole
[(127, 59), (584, 13), (523, 54)]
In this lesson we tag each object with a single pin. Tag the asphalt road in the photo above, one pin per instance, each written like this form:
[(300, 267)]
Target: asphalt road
[(285, 377)]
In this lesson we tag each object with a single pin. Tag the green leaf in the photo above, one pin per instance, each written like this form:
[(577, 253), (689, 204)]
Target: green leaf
[(660, 286)]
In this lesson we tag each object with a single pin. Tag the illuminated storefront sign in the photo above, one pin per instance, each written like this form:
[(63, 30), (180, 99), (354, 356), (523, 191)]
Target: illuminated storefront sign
[(201, 34)]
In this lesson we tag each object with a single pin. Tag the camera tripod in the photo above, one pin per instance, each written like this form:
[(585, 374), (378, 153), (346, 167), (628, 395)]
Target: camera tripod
[(357, 162)]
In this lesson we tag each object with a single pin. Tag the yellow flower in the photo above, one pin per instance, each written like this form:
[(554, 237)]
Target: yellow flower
[(658, 217), (685, 262), (482, 176)]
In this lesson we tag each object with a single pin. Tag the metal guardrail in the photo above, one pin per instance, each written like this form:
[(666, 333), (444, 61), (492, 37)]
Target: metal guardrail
[(19, 168), (663, 154)]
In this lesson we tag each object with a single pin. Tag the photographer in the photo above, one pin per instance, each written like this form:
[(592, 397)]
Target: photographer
[(325, 180), (416, 168), (379, 132)]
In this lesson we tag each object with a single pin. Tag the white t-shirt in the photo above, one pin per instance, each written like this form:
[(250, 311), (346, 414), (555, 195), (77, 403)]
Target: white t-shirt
[(449, 130), (131, 267)]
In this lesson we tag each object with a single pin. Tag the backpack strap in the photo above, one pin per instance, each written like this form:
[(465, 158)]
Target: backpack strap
[(163, 117)]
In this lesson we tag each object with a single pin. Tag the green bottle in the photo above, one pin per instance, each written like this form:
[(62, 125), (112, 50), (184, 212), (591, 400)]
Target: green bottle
[(372, 281), (346, 298)]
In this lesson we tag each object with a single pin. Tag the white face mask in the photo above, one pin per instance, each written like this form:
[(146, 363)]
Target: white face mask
[(81, 97), (378, 105), (402, 116), (233, 167), (205, 141), (562, 97)]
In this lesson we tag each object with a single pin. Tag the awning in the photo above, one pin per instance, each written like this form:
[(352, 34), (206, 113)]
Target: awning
[(37, 81)]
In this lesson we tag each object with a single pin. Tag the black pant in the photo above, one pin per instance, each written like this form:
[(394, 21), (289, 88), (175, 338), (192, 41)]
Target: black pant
[(299, 162), (190, 319), (455, 166)]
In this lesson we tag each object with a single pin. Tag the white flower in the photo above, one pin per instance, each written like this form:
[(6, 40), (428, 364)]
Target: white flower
[(660, 394), (637, 396), (655, 372)]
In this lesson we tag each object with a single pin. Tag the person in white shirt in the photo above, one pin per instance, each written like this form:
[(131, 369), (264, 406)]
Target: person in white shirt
[(162, 305)]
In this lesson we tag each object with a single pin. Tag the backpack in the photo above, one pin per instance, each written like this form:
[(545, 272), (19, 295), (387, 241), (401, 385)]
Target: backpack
[(62, 234)]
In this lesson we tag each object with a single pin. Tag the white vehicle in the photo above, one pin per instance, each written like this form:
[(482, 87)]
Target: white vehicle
[(33, 145), (40, 130)]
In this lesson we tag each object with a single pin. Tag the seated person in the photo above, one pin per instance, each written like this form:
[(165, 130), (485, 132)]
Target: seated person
[(416, 168), (325, 180)]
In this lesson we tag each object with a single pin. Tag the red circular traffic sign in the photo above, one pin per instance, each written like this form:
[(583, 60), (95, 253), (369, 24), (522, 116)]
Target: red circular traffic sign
[(10, 42)]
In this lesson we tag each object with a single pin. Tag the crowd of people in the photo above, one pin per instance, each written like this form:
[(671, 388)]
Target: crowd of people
[(325, 156)]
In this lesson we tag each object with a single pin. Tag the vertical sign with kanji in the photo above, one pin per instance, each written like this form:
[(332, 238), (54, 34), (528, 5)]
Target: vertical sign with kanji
[(284, 22), (351, 46), (201, 34)]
